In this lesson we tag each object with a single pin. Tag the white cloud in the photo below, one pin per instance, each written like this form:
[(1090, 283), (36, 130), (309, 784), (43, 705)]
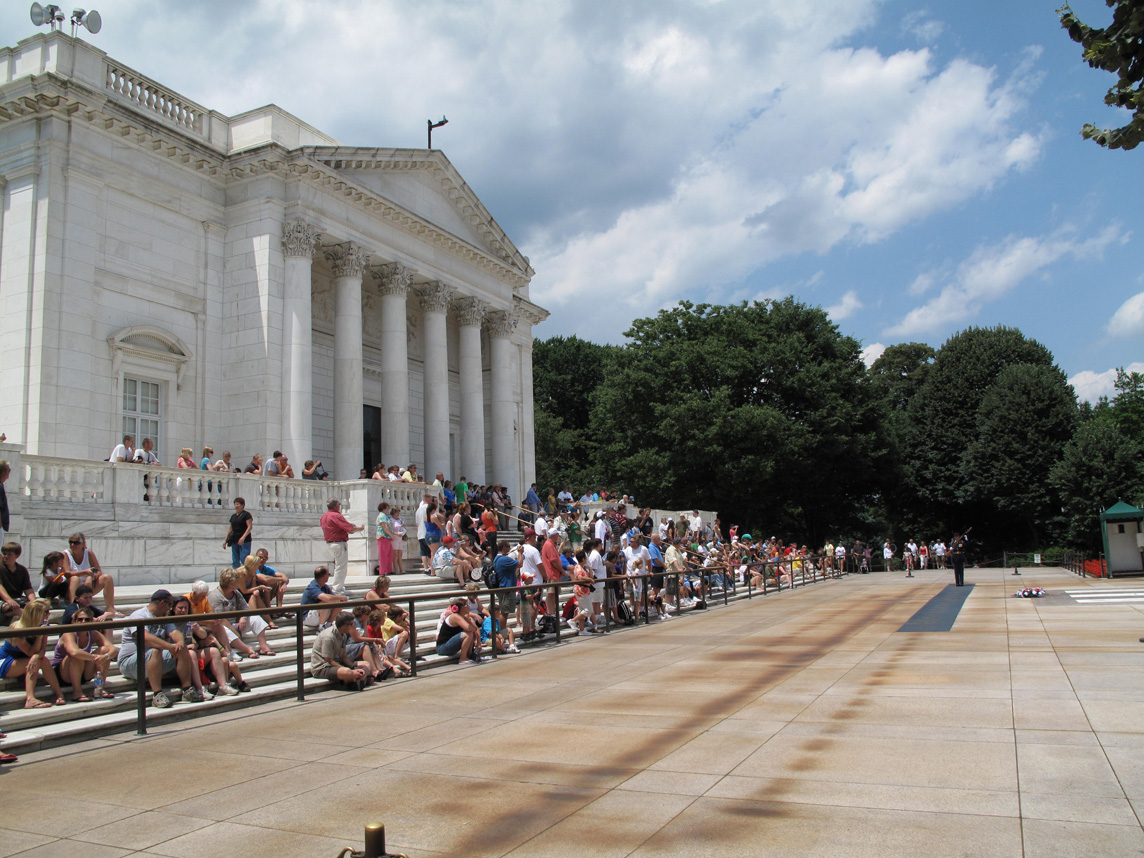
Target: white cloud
[(1128, 320), (847, 307), (922, 27), (1090, 386), (992, 272), (871, 353)]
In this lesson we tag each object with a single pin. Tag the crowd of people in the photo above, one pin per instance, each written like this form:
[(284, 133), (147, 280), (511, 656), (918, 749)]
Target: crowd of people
[(617, 568)]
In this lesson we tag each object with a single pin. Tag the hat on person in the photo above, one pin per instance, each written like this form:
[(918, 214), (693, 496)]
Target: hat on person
[(448, 540), (162, 596), (529, 532)]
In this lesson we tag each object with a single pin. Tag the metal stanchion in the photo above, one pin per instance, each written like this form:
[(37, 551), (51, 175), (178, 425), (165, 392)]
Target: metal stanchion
[(141, 680), (412, 638), (301, 668)]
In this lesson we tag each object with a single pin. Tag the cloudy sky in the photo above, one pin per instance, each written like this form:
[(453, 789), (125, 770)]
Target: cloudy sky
[(914, 167)]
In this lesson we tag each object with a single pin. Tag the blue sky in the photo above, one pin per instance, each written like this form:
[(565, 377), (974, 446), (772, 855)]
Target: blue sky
[(913, 167)]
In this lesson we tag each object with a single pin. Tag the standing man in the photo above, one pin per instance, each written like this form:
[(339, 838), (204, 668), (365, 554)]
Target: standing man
[(5, 519), (336, 530), (957, 556), (529, 561), (888, 556), (532, 501), (238, 536), (655, 582), (144, 455), (553, 568)]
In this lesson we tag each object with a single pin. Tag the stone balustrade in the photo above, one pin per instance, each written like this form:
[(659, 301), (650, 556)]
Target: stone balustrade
[(154, 97)]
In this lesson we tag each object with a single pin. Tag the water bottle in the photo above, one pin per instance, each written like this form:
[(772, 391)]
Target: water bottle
[(98, 685)]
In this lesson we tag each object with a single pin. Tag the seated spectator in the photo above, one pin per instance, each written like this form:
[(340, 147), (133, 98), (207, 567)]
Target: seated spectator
[(379, 592), (268, 576), (54, 583), (83, 568), (328, 658), (318, 592), (361, 647), (226, 678), (446, 561), (83, 599), (502, 629), (15, 584), (180, 612), (168, 653), (226, 597), (257, 595), (458, 635), (78, 656), (392, 626), (473, 597), (26, 656)]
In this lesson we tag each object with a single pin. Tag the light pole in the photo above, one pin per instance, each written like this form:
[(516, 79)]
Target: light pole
[(433, 125)]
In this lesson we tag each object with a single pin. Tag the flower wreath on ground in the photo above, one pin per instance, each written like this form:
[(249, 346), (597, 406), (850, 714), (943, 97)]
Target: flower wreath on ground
[(1030, 592)]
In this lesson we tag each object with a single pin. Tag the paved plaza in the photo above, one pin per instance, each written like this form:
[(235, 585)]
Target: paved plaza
[(802, 724)]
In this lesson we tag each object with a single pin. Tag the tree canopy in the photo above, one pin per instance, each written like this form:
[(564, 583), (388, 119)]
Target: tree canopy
[(1117, 48), (763, 407)]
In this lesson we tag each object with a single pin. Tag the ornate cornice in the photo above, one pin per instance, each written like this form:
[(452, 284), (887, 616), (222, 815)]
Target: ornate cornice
[(501, 323), (348, 260), (393, 278), (470, 311), (300, 239), (527, 310), (435, 296)]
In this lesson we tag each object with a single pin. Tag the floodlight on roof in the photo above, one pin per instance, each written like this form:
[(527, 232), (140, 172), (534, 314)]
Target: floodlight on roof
[(50, 15), (91, 21)]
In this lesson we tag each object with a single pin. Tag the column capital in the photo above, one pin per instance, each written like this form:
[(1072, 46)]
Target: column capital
[(393, 278), (299, 238), (501, 323), (470, 311), (349, 259), (435, 296)]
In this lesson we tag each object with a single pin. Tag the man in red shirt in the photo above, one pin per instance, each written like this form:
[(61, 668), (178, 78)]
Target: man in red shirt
[(336, 530), (553, 568)]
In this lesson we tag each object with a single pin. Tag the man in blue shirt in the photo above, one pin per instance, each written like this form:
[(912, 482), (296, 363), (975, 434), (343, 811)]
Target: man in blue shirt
[(655, 550), (505, 567), (318, 592)]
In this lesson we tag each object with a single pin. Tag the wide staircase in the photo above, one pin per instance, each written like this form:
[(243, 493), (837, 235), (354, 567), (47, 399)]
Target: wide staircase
[(269, 677)]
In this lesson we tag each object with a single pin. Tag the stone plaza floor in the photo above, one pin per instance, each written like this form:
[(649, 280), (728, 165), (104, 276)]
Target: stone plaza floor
[(800, 724)]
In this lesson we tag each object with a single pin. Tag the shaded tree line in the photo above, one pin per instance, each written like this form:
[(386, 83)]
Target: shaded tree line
[(767, 414)]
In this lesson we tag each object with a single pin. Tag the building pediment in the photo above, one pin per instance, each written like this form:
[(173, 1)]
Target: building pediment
[(424, 181)]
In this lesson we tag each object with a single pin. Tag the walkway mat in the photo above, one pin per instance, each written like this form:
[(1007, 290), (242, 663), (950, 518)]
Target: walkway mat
[(940, 612)]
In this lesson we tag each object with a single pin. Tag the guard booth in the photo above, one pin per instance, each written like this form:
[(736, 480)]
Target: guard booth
[(1122, 529)]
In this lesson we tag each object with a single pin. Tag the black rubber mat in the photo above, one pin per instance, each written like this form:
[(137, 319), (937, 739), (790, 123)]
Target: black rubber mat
[(939, 613)]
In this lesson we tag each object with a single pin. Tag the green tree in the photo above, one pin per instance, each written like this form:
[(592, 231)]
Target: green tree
[(1128, 404), (1025, 419), (899, 372), (565, 373), (1098, 467), (1118, 48), (762, 411), (943, 420)]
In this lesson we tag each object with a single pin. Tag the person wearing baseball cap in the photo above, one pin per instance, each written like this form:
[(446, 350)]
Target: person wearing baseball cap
[(165, 652)]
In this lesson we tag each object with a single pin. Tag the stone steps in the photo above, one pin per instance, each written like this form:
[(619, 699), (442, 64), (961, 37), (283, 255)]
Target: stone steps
[(270, 677)]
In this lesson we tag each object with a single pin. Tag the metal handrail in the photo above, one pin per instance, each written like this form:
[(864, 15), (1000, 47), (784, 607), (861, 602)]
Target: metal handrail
[(412, 600)]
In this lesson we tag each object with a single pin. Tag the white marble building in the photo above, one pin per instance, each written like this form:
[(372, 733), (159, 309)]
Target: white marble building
[(248, 283)]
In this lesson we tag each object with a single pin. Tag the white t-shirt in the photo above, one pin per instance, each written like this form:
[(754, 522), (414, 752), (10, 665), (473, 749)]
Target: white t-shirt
[(596, 565), (122, 451), (419, 517), (601, 530), (530, 565), (939, 549), (541, 527), (887, 552), (840, 551)]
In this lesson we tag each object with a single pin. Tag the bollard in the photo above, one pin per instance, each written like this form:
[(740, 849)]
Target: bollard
[(1015, 572), (374, 840)]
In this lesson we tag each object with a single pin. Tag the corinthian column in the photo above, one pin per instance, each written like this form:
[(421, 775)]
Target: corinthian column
[(435, 300), (299, 241), (393, 283), (470, 313), (349, 261), (501, 326)]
